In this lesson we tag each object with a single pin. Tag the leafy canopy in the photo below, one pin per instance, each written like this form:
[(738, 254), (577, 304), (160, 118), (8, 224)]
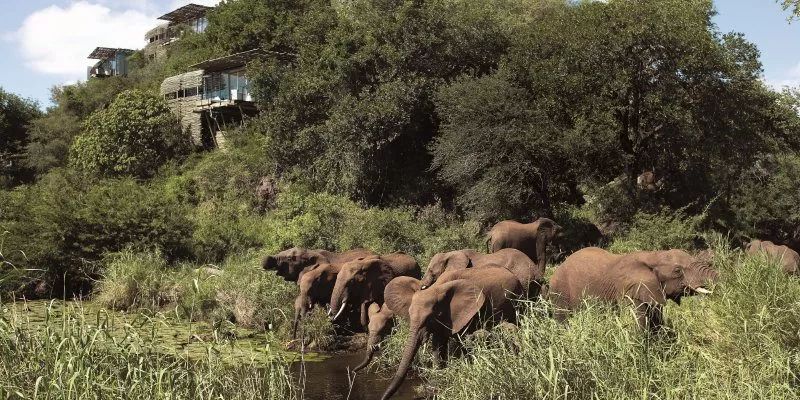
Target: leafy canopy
[(134, 136)]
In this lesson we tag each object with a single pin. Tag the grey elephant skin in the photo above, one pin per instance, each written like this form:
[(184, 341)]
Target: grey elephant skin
[(531, 239), (645, 279), (291, 263), (362, 282), (450, 306), (381, 322), (316, 286), (526, 271), (788, 258)]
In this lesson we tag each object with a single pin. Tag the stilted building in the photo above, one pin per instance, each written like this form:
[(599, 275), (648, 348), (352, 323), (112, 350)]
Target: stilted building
[(213, 98), (190, 16), (112, 62)]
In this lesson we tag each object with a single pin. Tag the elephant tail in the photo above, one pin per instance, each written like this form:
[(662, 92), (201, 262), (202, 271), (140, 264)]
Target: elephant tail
[(489, 243)]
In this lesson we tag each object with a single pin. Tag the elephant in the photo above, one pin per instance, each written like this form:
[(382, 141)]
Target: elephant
[(291, 263), (513, 260), (361, 282), (316, 286), (788, 258), (457, 303), (646, 279), (381, 321), (532, 239)]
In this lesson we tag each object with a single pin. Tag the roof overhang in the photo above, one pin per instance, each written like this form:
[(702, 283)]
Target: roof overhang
[(186, 13), (104, 53), (236, 60)]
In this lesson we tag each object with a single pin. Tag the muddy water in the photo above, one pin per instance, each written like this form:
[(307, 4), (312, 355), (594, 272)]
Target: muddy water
[(328, 380)]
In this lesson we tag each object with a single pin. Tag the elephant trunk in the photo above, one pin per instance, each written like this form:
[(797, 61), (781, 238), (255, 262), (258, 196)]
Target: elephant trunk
[(300, 306), (338, 301), (372, 347), (412, 345), (426, 281)]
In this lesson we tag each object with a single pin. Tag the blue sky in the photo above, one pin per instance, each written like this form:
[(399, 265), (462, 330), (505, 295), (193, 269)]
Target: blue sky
[(45, 42)]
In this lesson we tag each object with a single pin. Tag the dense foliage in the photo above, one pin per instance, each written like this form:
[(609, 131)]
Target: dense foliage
[(16, 114), (408, 125), (133, 136)]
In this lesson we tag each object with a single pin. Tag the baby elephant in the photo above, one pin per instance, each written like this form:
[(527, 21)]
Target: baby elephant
[(646, 279), (532, 239), (381, 322), (788, 258), (450, 306)]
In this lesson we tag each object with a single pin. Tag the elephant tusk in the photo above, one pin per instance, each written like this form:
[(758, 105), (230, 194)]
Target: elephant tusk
[(703, 291), (423, 287), (341, 310)]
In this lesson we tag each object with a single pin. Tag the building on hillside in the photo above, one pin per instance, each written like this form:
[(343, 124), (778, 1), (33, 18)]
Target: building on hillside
[(112, 62), (190, 16), (214, 97)]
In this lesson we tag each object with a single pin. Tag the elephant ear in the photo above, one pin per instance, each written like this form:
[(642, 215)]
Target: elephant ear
[(398, 294), (465, 301), (457, 260), (373, 309)]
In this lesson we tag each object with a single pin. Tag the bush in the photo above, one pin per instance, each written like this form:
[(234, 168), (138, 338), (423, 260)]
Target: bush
[(134, 136), (740, 342), (659, 231), (63, 225), (136, 280)]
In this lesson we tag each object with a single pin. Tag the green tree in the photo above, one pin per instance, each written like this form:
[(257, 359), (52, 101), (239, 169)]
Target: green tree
[(353, 113), (791, 5), (636, 86), (134, 136), (15, 115)]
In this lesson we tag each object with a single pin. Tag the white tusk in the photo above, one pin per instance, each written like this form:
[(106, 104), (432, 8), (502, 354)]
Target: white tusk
[(341, 310), (703, 291)]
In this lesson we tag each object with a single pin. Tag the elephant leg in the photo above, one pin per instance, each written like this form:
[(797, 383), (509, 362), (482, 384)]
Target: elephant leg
[(364, 315), (649, 317), (440, 349)]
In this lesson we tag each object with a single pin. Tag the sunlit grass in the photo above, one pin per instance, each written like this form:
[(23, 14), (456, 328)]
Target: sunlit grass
[(68, 353)]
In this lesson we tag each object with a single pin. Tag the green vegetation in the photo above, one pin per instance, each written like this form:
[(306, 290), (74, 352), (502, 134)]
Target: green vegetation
[(409, 126), (134, 136), (15, 114), (75, 354), (740, 342)]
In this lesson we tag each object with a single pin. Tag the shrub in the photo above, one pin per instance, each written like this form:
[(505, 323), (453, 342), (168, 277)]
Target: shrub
[(136, 280), (659, 231), (134, 136), (64, 225)]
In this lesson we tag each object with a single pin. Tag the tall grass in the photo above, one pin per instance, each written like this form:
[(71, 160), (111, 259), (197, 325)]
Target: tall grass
[(73, 357), (741, 342)]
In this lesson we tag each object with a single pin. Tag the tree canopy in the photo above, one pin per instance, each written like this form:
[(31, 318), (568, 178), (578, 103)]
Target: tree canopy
[(135, 135), (16, 114)]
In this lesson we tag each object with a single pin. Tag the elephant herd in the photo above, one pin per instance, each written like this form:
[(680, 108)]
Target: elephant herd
[(465, 289)]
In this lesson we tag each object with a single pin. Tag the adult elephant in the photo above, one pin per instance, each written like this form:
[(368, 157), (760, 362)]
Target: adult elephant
[(361, 282), (316, 287), (788, 258), (532, 239), (646, 279), (513, 260), (291, 263), (460, 301)]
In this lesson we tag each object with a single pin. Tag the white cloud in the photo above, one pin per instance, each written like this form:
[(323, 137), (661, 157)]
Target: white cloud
[(57, 40), (790, 78)]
